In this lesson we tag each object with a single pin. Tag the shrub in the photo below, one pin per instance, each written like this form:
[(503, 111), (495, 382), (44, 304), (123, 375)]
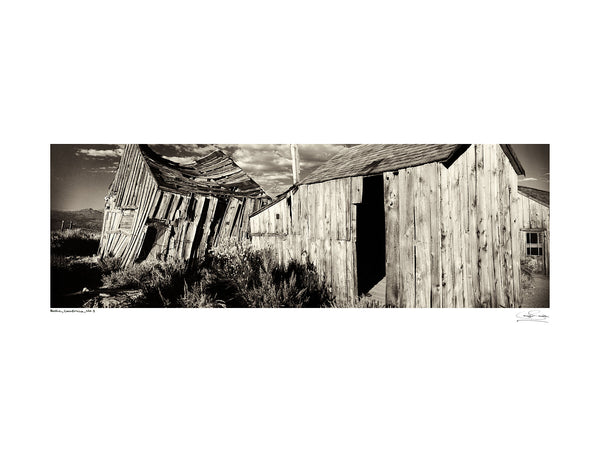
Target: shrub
[(232, 275), (527, 283), (161, 282), (131, 277), (232, 270), (74, 242), (108, 265), (244, 277), (198, 297)]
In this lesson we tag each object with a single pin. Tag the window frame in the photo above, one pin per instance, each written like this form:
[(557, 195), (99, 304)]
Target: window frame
[(530, 246), (128, 225)]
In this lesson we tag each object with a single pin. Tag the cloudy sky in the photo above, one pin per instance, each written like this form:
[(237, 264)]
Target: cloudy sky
[(81, 173)]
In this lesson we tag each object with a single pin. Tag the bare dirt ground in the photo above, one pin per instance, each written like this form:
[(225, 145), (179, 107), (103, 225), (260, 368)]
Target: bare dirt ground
[(539, 296)]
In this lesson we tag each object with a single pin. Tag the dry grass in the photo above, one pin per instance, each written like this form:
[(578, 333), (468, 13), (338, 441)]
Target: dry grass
[(527, 283), (361, 302), (75, 242), (244, 277), (160, 282), (197, 296), (233, 275)]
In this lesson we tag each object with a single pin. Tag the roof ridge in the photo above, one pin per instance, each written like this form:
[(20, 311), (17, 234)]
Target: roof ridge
[(374, 159)]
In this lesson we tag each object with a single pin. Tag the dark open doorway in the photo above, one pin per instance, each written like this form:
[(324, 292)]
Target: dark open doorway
[(370, 240), (153, 241), (149, 242)]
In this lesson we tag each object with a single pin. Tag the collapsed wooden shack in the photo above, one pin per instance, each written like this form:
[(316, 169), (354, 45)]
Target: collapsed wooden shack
[(534, 205), (431, 225), (157, 209)]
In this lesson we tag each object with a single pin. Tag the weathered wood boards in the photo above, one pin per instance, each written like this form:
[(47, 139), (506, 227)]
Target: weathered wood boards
[(449, 234), (315, 223), (132, 190), (188, 222), (452, 233), (535, 217)]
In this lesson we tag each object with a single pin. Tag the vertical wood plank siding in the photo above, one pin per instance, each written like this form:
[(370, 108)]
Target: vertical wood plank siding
[(486, 225), (187, 218), (392, 256), (489, 237), (452, 233), (133, 189), (534, 216), (315, 226)]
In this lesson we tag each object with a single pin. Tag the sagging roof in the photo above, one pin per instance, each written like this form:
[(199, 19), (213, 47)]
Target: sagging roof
[(372, 159), (537, 195), (214, 174)]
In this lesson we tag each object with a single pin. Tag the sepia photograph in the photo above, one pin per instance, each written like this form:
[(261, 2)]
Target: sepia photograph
[(300, 225), (261, 225)]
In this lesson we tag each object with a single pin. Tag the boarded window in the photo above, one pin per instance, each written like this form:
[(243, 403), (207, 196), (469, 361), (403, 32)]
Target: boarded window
[(126, 220), (534, 244)]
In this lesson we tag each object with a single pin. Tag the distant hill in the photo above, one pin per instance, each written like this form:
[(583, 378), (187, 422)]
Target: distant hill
[(88, 219)]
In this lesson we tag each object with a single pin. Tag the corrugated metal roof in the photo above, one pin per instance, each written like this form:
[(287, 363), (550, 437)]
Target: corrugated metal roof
[(538, 195), (214, 174), (372, 159)]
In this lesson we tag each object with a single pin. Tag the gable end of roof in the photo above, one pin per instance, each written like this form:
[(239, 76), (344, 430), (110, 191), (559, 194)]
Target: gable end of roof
[(512, 157), (373, 159), (537, 195)]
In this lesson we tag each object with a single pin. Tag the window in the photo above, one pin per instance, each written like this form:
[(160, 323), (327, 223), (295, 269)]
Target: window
[(534, 244), (126, 220)]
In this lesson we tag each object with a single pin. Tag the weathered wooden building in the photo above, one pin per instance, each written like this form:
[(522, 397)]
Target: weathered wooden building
[(437, 225), (158, 209), (534, 207)]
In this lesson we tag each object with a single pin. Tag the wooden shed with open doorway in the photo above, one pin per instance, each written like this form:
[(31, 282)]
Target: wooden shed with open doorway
[(420, 225), (158, 209)]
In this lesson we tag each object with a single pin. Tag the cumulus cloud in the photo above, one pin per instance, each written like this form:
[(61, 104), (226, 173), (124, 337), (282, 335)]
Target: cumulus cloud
[(99, 152), (270, 165), (95, 146), (183, 149)]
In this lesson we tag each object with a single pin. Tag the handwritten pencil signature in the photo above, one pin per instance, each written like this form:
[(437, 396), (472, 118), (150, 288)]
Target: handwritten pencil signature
[(532, 316)]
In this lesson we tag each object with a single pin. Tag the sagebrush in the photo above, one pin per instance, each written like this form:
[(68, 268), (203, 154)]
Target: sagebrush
[(231, 275), (75, 242)]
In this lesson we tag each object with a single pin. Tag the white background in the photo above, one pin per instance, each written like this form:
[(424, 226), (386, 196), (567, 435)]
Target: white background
[(305, 72)]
